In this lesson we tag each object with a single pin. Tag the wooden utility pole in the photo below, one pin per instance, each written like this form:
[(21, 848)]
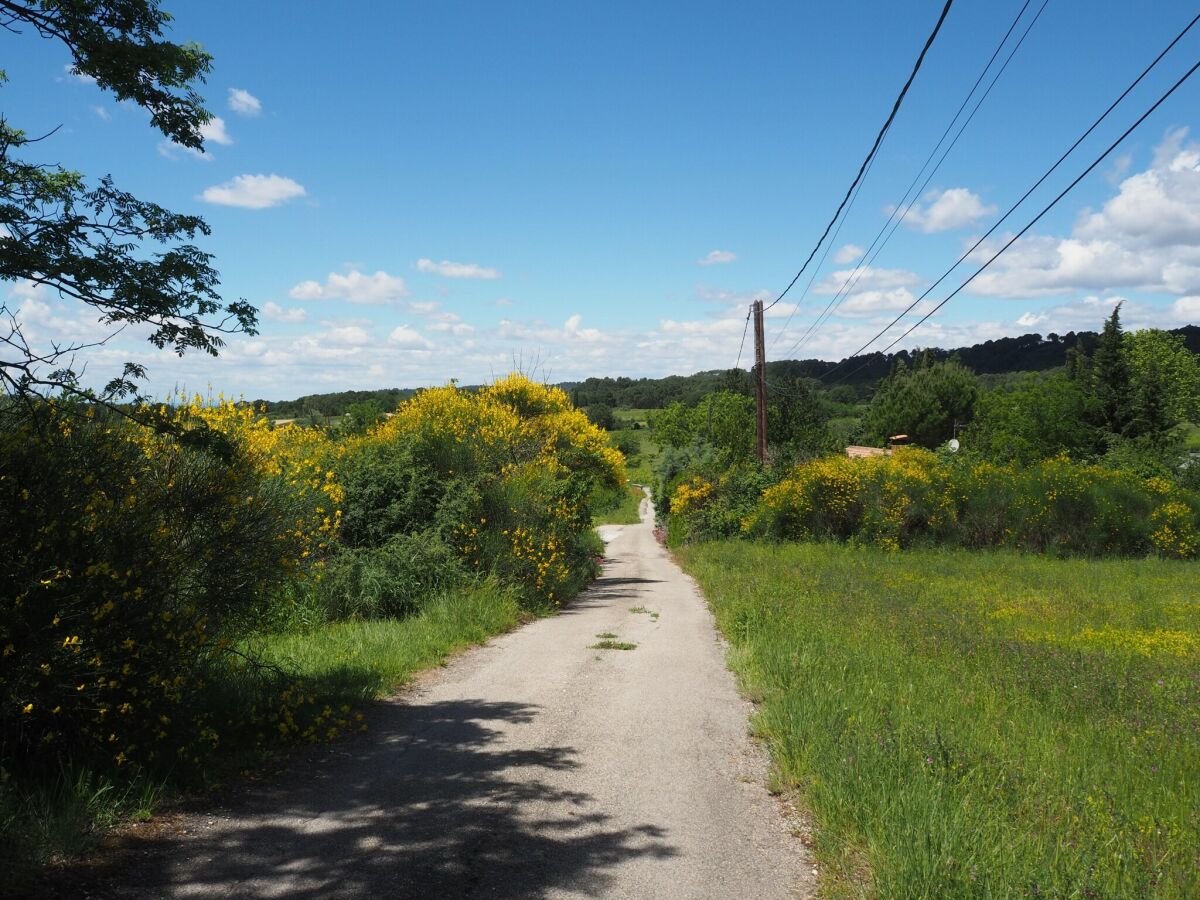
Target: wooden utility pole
[(760, 380)]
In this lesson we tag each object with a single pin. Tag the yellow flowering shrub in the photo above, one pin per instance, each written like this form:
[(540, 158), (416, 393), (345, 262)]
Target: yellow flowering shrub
[(690, 495), (505, 474), (135, 562), (915, 496)]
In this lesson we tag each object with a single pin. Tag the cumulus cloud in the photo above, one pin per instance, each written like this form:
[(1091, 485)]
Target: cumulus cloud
[(254, 191), (276, 313), (440, 320), (1187, 309), (403, 337), (869, 303), (1146, 237), (354, 287), (1159, 207), (214, 132), (848, 253), (867, 278), (717, 257), (350, 336), (947, 210), (448, 269), (244, 103)]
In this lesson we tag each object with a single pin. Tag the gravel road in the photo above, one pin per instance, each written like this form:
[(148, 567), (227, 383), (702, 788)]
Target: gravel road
[(536, 766)]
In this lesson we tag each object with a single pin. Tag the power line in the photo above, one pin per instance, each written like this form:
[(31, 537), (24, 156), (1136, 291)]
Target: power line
[(1111, 147), (872, 252), (742, 345), (874, 149), (1027, 193)]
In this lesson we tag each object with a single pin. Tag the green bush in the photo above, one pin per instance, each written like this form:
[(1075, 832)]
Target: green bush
[(392, 580), (390, 490), (133, 563), (916, 497)]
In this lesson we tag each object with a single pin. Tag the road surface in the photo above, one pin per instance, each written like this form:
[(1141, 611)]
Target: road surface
[(536, 766)]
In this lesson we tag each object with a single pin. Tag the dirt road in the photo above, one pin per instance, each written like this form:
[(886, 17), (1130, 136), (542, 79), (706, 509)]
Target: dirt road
[(533, 767)]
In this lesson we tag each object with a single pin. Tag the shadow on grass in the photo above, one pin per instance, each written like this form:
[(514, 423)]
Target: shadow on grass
[(429, 804)]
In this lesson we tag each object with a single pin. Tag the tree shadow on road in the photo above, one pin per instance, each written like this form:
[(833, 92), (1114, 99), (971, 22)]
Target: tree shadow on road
[(431, 804)]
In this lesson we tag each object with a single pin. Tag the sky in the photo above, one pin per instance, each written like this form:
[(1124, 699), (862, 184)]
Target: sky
[(411, 193)]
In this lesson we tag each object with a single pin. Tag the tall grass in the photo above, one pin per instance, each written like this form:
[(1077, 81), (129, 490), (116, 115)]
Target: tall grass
[(975, 723)]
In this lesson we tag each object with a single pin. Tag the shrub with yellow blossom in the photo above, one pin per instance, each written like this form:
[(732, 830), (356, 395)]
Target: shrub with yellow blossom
[(505, 475), (135, 562), (915, 496)]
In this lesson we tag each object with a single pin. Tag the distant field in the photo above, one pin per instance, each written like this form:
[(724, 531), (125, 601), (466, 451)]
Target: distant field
[(641, 463), (1189, 432), (624, 510), (627, 417), (974, 724)]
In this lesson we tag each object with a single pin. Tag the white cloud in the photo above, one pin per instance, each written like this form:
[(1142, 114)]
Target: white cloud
[(1030, 319), (441, 320), (350, 336), (27, 290), (867, 303), (1187, 310), (406, 338), (1159, 207), (244, 103), (254, 191), (867, 278), (448, 269), (717, 257), (847, 254), (276, 313), (353, 287), (504, 301), (213, 131), (76, 75), (101, 113), (1146, 237), (946, 210)]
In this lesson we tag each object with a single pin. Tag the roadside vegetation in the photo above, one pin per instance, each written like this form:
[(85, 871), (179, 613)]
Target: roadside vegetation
[(181, 602), (974, 724), (977, 670)]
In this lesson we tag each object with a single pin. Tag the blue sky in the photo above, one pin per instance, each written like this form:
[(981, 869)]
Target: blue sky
[(412, 193)]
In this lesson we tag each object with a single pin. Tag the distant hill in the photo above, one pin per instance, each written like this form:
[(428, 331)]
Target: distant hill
[(1027, 353)]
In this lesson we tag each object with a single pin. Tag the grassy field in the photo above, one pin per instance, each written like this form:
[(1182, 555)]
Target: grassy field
[(347, 664), (640, 463), (624, 509), (975, 724)]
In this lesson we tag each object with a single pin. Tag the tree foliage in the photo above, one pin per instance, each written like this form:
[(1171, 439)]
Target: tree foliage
[(926, 403), (1036, 418), (131, 261), (1162, 358)]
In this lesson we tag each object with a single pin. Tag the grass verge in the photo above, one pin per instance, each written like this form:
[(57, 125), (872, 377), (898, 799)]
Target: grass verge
[(975, 724), (50, 817), (623, 509)]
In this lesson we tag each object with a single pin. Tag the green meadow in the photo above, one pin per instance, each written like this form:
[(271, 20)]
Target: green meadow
[(970, 723)]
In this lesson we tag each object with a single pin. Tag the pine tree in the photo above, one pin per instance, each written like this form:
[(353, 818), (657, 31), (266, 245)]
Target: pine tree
[(1110, 376)]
